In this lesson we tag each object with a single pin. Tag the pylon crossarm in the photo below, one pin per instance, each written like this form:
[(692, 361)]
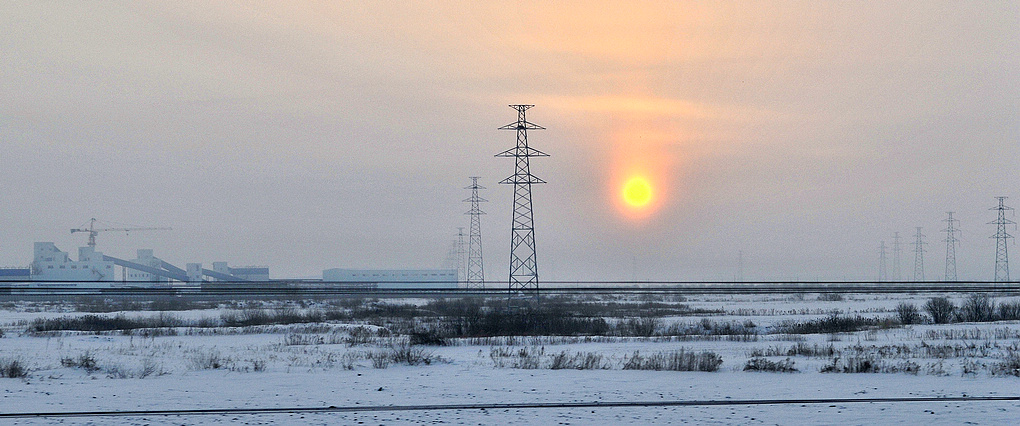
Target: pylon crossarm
[(528, 152)]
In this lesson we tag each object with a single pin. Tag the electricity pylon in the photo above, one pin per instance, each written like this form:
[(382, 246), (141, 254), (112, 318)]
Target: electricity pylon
[(475, 266), (523, 283), (919, 256), (881, 263), (1001, 239), (896, 257), (460, 255), (951, 242)]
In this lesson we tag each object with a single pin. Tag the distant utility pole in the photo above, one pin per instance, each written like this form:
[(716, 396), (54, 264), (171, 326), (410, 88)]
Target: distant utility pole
[(1001, 238), (475, 266), (919, 256), (740, 266), (881, 263), (523, 260), (951, 242), (460, 255), (896, 249)]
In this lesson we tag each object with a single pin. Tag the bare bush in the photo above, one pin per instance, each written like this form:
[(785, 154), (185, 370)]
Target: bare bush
[(405, 353), (908, 313), (579, 361), (379, 359), (764, 364), (360, 335), (977, 308), (799, 349), (641, 327), (830, 297), (13, 368), (1010, 366), (834, 323), (869, 364), (678, 360), (1009, 311), (84, 361), (940, 309), (524, 358), (427, 337), (209, 360)]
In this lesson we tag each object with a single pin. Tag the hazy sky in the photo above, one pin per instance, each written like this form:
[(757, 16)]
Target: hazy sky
[(311, 135)]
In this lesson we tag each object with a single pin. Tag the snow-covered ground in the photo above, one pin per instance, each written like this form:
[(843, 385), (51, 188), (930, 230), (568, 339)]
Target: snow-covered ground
[(319, 365)]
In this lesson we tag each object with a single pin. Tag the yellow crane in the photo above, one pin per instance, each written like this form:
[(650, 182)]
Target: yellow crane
[(93, 231)]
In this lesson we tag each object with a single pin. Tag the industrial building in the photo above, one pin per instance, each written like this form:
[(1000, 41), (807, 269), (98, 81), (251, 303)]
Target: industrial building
[(52, 266)]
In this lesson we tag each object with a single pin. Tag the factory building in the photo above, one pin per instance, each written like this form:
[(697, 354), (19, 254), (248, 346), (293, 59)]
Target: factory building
[(246, 273), (52, 264), (393, 278), (145, 258), (15, 274)]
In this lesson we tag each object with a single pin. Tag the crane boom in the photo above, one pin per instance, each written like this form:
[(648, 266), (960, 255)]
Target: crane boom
[(93, 231)]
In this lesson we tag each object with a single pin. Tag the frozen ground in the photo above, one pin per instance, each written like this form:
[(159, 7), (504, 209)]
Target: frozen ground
[(317, 365)]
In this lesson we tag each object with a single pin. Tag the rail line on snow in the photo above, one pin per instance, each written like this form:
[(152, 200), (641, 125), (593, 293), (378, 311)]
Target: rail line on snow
[(507, 406), (330, 289)]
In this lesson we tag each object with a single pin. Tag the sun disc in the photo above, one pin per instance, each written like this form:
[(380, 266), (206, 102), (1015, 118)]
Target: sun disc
[(637, 192)]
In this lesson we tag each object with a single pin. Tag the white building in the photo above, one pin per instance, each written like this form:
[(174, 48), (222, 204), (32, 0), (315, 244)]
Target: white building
[(144, 258), (247, 273), (52, 264), (394, 278)]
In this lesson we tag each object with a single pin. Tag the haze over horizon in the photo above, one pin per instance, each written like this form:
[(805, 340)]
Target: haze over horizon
[(314, 135)]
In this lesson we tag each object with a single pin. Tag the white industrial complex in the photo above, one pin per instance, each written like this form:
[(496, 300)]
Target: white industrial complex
[(52, 267)]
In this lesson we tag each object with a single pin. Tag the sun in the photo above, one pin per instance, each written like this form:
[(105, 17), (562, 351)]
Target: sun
[(637, 192)]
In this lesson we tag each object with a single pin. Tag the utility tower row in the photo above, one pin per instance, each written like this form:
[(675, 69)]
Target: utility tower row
[(523, 280), (952, 240)]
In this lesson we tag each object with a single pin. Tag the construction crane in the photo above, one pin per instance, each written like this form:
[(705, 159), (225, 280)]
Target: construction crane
[(93, 231)]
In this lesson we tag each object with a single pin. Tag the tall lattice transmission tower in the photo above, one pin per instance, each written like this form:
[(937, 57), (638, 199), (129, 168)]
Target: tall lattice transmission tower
[(919, 255), (881, 263), (523, 261), (460, 255), (951, 243), (896, 249), (475, 266), (1001, 240)]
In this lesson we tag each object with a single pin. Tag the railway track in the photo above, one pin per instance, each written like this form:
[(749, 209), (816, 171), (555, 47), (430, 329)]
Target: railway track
[(505, 406), (326, 289)]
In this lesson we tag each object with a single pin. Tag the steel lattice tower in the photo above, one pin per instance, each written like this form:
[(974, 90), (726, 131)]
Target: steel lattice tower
[(460, 255), (1001, 238), (919, 256), (951, 242), (896, 249), (475, 267), (523, 261), (881, 262)]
